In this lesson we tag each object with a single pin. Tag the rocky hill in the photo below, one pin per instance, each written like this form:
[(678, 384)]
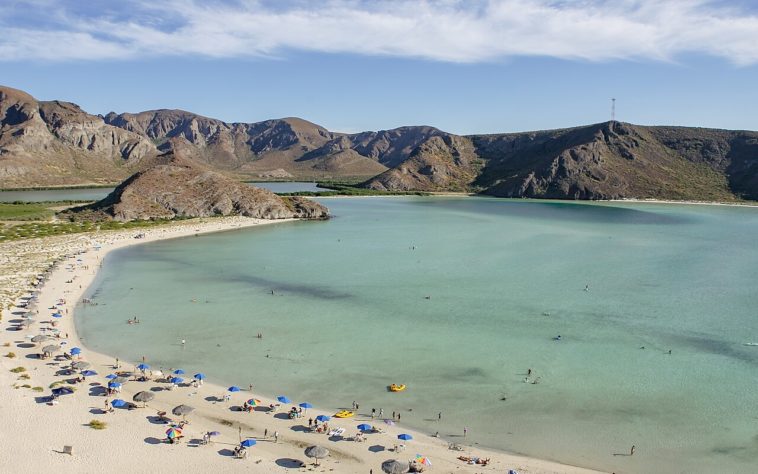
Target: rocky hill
[(177, 187), (56, 143)]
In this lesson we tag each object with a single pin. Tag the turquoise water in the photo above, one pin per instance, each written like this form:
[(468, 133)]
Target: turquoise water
[(350, 315), (94, 194)]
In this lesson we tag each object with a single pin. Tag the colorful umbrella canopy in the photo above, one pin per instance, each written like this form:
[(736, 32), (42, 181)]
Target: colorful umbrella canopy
[(62, 391), (323, 418), (118, 403), (57, 315), (114, 384), (234, 388), (423, 460), (89, 373), (200, 376), (405, 437), (111, 376), (176, 380), (254, 402), (143, 366), (247, 443), (283, 399), (75, 351), (173, 432), (364, 427), (178, 372), (306, 405)]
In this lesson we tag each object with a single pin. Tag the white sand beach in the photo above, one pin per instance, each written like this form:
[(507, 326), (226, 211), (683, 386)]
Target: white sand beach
[(35, 431)]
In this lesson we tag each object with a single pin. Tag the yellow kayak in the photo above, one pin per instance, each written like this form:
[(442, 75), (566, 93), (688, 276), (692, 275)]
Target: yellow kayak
[(397, 388), (343, 414)]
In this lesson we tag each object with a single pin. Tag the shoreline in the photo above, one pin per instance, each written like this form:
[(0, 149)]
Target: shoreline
[(266, 456)]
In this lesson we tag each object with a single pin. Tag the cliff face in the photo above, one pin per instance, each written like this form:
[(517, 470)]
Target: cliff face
[(177, 187), (54, 143)]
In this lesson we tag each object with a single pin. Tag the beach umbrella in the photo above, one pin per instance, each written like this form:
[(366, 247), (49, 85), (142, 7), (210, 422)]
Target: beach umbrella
[(423, 460), (51, 348), (283, 399), (234, 388), (62, 391), (323, 418), (111, 376), (81, 365), (57, 315), (143, 397), (178, 372), (114, 385), (143, 367), (176, 380), (392, 466), (253, 402), (389, 422), (405, 437), (365, 427), (89, 373), (121, 379), (40, 338), (173, 433), (118, 403), (182, 410), (199, 376), (248, 443), (306, 405), (214, 433), (75, 351), (316, 452)]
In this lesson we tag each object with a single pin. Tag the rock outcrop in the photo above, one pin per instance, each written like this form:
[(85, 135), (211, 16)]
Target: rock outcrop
[(177, 187)]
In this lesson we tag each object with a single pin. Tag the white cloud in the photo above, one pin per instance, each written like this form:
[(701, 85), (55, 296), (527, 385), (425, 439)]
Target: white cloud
[(440, 30)]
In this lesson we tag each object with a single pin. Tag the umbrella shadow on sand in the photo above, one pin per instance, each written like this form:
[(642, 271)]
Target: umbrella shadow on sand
[(282, 416), (290, 463), (156, 420), (226, 452), (97, 391), (377, 448), (153, 440), (299, 428)]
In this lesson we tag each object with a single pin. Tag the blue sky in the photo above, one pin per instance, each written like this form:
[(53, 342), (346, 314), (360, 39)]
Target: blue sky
[(463, 66)]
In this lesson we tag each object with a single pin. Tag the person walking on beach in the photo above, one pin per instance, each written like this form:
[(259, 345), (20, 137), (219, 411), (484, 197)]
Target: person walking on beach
[(355, 407), (265, 433), (373, 413), (465, 431), (393, 415), (439, 416), (381, 412), (631, 451), (276, 436), (310, 422)]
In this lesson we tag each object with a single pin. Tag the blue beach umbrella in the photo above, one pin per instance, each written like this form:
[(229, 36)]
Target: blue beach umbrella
[(306, 405), (113, 385), (176, 380), (89, 373), (57, 315), (143, 367), (200, 376), (111, 376), (248, 442), (75, 351), (62, 391), (283, 399), (323, 418), (118, 403), (364, 427), (178, 372), (405, 437), (234, 388)]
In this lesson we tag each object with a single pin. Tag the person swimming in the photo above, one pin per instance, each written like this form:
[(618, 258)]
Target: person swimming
[(557, 338)]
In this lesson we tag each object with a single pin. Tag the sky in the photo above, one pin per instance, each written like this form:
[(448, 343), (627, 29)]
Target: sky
[(464, 66)]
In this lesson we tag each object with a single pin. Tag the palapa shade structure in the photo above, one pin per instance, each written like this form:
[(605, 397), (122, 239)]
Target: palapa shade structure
[(51, 348), (40, 338), (143, 397), (81, 365), (182, 410), (121, 380), (316, 452), (392, 466)]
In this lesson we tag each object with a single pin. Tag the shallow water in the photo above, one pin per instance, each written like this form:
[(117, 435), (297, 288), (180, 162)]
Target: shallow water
[(349, 314), (94, 194)]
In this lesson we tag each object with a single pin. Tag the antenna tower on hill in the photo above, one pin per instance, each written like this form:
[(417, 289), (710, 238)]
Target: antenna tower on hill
[(613, 110)]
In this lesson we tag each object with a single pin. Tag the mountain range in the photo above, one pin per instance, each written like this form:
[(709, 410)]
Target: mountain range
[(56, 143)]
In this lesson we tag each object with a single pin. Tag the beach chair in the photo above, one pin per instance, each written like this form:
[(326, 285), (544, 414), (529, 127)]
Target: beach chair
[(68, 450)]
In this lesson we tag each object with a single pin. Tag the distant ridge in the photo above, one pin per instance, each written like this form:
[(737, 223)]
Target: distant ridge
[(45, 143)]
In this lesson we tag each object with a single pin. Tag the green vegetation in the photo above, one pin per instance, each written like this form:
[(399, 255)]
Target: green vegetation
[(10, 355), (97, 424), (38, 389), (31, 211), (18, 370), (24, 376), (45, 229)]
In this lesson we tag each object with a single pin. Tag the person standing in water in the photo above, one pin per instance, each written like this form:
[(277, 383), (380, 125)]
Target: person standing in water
[(631, 451)]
